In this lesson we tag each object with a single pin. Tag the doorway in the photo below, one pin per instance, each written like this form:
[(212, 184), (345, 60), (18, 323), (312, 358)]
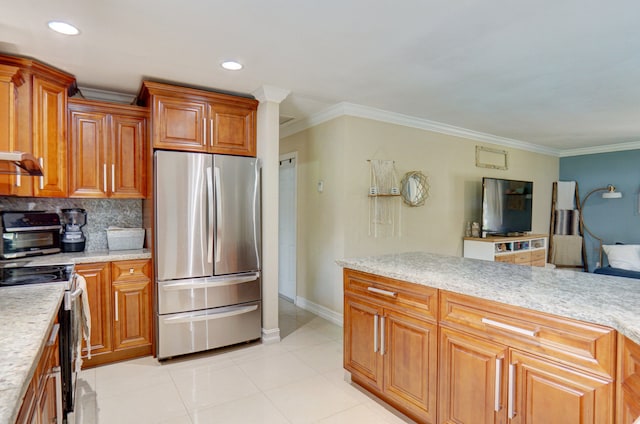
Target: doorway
[(287, 227)]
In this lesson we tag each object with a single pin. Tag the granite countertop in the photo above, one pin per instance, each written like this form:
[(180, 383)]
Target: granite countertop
[(27, 314), (599, 299), (86, 257)]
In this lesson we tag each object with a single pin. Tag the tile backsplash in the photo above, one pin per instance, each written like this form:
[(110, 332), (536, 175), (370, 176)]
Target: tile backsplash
[(101, 213)]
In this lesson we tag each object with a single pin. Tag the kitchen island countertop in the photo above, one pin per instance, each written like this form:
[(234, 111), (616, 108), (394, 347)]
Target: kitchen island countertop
[(604, 300), (27, 314)]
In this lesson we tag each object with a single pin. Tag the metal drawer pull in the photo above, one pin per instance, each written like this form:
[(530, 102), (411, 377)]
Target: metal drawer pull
[(18, 180), (509, 327), (382, 292), (54, 335), (375, 333), (113, 178), (512, 388), (104, 177), (116, 296), (209, 284), (382, 336), (42, 177), (498, 391)]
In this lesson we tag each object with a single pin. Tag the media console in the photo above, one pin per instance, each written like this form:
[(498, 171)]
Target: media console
[(528, 249)]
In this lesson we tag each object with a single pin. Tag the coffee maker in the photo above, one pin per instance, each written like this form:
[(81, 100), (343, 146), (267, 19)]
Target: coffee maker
[(73, 220)]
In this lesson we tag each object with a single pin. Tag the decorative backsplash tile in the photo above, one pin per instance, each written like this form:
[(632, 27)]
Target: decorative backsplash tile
[(101, 213)]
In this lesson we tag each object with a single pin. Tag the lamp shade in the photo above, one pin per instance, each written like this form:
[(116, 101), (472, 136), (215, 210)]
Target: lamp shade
[(611, 193)]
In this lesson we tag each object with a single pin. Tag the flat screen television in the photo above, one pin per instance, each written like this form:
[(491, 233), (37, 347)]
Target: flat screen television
[(506, 206)]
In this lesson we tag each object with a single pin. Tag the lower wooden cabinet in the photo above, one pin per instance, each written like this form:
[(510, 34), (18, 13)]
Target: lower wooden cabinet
[(628, 404), (121, 310), (389, 349), (482, 362), (42, 403)]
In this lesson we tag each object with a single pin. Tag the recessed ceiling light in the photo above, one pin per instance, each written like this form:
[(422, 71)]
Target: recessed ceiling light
[(63, 28), (231, 65)]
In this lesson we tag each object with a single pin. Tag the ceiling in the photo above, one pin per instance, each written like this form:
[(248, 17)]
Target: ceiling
[(560, 74)]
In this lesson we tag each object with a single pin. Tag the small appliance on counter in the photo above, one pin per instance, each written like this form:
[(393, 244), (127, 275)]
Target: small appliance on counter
[(29, 233), (73, 220)]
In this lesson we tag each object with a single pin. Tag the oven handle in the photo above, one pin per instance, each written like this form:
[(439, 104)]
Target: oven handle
[(70, 297)]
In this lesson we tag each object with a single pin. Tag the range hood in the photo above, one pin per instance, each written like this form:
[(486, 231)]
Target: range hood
[(19, 163)]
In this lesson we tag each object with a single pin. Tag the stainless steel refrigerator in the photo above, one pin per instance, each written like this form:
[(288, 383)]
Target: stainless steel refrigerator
[(207, 255)]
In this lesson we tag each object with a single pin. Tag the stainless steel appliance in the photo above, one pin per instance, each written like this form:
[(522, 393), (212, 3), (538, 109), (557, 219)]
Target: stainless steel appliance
[(29, 233), (20, 272), (73, 239), (207, 251)]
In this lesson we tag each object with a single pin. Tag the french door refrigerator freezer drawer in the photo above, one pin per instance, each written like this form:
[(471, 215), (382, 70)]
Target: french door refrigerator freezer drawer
[(205, 293), (190, 332)]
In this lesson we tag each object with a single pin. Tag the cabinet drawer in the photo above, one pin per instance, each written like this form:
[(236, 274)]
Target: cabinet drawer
[(130, 270), (510, 258), (523, 258), (411, 297), (537, 255), (575, 343)]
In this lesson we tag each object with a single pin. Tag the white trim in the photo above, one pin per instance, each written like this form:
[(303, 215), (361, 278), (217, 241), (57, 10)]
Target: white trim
[(320, 310), (350, 109), (271, 336), (270, 93), (619, 147)]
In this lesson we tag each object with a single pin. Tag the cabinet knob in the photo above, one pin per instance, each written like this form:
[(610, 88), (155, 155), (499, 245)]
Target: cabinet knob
[(130, 270)]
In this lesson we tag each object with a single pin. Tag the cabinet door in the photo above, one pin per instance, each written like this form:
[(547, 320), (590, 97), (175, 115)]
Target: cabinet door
[(132, 301), (179, 124), (628, 404), (409, 348), (549, 393), (99, 293), (472, 380), (88, 154), (8, 121), (362, 341), (234, 130), (50, 136), (132, 326), (128, 157)]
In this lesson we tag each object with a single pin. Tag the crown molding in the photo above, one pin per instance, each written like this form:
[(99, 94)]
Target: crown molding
[(351, 109), (106, 95), (270, 93), (619, 147)]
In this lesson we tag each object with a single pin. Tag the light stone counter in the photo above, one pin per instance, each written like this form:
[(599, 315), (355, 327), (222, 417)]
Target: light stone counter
[(605, 300), (85, 257), (27, 314)]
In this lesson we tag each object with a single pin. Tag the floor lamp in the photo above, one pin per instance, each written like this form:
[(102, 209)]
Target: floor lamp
[(609, 193)]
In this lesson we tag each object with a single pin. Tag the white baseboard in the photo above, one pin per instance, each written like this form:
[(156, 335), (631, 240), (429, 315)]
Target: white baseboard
[(270, 336), (320, 310)]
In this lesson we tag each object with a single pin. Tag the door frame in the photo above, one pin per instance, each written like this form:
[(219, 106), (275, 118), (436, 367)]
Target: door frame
[(284, 157)]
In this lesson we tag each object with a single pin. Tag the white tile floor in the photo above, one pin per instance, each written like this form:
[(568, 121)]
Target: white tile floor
[(299, 380)]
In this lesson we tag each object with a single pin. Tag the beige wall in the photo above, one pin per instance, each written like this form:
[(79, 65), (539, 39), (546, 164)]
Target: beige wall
[(334, 224)]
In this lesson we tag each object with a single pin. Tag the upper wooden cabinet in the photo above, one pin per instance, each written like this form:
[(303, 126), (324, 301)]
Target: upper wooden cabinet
[(107, 150), (10, 79), (38, 117), (200, 121), (37, 124)]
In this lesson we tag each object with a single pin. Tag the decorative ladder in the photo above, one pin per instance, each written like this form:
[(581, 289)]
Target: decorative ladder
[(552, 227)]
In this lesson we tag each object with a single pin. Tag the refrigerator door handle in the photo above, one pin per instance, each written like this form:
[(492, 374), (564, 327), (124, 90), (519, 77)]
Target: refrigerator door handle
[(209, 317), (207, 284), (210, 214), (219, 217)]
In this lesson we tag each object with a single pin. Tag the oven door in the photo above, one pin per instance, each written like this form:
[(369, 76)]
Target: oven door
[(70, 339)]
